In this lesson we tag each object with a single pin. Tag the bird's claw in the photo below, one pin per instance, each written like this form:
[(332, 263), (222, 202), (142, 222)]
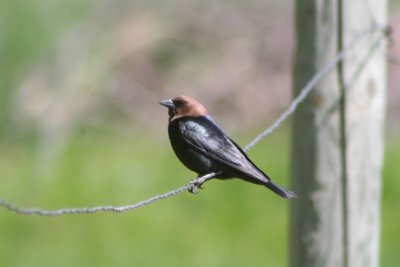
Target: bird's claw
[(194, 185)]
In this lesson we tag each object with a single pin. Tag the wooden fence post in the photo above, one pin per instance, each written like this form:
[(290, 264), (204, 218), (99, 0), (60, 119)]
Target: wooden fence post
[(338, 136)]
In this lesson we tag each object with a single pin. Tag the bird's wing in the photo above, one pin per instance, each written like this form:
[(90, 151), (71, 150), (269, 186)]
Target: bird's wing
[(211, 141)]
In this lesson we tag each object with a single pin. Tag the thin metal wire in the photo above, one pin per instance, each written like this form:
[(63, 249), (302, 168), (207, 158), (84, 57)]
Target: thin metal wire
[(191, 186), (194, 184), (313, 82), (53, 213)]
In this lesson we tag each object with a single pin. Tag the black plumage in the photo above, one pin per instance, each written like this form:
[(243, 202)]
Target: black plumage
[(202, 146)]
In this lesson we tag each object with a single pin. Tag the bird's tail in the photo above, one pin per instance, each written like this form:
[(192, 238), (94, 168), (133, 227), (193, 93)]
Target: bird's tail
[(280, 190)]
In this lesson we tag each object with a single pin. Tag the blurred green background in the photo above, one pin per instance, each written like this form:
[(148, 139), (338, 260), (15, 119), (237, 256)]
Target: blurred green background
[(80, 126)]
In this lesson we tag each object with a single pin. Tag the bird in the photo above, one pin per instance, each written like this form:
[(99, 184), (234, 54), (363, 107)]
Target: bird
[(203, 147)]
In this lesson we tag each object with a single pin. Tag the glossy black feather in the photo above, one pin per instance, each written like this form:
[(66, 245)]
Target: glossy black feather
[(203, 147)]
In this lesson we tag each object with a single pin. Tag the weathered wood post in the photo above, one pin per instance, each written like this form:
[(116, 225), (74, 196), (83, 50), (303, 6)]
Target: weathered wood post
[(338, 136)]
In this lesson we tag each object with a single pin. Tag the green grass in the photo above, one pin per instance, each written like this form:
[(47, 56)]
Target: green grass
[(390, 256), (229, 223)]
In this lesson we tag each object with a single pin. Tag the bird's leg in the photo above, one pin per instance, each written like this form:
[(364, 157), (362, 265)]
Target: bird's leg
[(200, 180), (196, 184)]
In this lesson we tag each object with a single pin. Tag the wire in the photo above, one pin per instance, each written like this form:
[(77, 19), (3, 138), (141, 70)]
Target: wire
[(193, 185), (313, 82)]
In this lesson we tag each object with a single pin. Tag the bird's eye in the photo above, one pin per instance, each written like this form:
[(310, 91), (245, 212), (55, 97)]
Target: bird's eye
[(179, 103)]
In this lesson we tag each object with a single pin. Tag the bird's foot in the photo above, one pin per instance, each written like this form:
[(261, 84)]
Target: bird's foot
[(195, 185)]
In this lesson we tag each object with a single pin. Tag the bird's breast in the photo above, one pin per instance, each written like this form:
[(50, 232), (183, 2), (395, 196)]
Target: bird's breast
[(188, 154)]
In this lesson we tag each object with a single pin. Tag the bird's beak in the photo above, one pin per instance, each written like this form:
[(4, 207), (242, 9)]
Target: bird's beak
[(168, 103)]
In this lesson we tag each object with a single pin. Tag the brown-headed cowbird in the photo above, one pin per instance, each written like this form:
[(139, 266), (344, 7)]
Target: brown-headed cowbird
[(202, 146)]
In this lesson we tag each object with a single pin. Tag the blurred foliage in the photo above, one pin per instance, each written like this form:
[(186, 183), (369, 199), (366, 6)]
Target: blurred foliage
[(29, 28)]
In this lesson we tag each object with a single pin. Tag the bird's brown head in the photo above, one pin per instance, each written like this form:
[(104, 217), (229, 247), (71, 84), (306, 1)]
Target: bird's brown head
[(182, 106)]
